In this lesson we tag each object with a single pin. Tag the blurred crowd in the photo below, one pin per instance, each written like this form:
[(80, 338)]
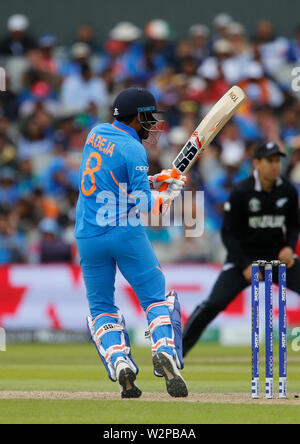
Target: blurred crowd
[(55, 94)]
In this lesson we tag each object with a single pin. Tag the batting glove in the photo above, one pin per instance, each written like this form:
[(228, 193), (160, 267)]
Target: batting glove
[(165, 177)]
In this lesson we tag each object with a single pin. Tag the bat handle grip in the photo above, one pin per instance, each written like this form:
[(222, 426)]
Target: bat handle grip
[(174, 174)]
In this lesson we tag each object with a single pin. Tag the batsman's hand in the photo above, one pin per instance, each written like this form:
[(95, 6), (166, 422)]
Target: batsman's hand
[(163, 201), (286, 255), (174, 185)]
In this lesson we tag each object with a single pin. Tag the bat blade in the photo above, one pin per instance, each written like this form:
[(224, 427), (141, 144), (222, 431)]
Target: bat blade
[(208, 128)]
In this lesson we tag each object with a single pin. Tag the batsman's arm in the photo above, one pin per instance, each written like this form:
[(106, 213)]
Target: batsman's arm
[(139, 188), (140, 193)]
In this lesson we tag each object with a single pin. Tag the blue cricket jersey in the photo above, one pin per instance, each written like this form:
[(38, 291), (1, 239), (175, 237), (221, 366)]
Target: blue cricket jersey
[(113, 180)]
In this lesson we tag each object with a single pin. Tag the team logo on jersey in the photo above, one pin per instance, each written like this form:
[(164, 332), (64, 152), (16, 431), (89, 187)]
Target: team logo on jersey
[(116, 112), (142, 168), (281, 202), (254, 205), (267, 221)]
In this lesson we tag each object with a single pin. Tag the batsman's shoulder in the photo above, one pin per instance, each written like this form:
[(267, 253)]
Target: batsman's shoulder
[(101, 127), (133, 149), (97, 129)]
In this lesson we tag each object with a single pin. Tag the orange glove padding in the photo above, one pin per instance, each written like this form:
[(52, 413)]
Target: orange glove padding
[(172, 189), (165, 176)]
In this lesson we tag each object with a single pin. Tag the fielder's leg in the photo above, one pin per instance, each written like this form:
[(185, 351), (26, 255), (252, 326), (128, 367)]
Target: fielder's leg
[(293, 277), (228, 285)]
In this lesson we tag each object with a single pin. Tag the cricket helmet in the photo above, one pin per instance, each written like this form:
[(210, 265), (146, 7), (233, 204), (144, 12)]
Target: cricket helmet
[(134, 100)]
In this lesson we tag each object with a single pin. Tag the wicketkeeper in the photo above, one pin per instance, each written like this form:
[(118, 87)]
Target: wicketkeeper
[(114, 188), (261, 222)]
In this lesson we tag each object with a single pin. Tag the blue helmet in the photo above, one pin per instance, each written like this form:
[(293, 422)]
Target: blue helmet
[(132, 101)]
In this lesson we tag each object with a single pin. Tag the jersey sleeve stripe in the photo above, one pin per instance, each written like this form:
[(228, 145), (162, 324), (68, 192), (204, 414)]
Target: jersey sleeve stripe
[(119, 129), (120, 186)]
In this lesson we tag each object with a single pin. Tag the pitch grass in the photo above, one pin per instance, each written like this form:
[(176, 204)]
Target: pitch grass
[(132, 412), (76, 367)]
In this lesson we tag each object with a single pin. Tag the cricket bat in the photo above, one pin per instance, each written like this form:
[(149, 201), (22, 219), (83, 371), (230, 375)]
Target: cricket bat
[(206, 131)]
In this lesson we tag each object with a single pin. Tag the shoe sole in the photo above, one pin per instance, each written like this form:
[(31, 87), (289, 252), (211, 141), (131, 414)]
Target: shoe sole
[(176, 386), (126, 380)]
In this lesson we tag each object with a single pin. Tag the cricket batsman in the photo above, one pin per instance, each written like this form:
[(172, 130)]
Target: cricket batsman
[(114, 190)]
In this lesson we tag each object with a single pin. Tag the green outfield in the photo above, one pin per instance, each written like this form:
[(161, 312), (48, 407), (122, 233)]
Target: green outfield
[(67, 384)]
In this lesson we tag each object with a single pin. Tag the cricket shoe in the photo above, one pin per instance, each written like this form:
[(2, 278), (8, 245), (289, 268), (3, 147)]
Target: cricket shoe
[(126, 377), (165, 365)]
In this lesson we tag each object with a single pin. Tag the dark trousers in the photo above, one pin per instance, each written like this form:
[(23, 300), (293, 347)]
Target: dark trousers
[(228, 285)]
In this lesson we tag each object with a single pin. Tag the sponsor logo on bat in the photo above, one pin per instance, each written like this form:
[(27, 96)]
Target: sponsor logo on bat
[(233, 96)]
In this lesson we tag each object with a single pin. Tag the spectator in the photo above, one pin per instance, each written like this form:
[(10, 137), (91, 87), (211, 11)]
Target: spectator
[(79, 55), (8, 103), (17, 42), (12, 247), (188, 67), (81, 127), (44, 59), (159, 44), (273, 50), (37, 95), (55, 95), (44, 121), (24, 214), (35, 141), (86, 35), (290, 126), (9, 193), (221, 23), (169, 89), (230, 139), (124, 53), (58, 178), (189, 110), (210, 165), (268, 125), (199, 40), (44, 206), (294, 48), (221, 64), (215, 71), (8, 152), (79, 91), (51, 247), (259, 88), (242, 52), (63, 132), (219, 186), (28, 180)]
